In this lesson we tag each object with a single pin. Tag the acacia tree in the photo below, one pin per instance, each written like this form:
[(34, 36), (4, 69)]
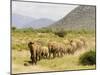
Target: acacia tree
[(13, 28)]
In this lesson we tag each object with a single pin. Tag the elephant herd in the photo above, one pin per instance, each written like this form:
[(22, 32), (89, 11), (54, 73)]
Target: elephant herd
[(54, 49)]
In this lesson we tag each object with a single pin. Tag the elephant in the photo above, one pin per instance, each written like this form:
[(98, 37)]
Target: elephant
[(80, 43), (44, 52), (71, 47), (61, 49), (52, 49), (84, 41), (34, 51), (56, 49)]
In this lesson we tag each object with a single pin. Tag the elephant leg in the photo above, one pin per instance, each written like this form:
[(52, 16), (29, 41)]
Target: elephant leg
[(54, 54), (35, 60), (46, 55), (39, 57), (49, 55), (58, 54), (31, 52), (32, 58)]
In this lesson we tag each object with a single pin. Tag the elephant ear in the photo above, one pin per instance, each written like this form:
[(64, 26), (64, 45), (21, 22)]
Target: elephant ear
[(30, 42)]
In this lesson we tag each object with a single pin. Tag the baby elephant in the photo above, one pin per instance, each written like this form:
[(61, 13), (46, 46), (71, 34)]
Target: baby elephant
[(44, 52)]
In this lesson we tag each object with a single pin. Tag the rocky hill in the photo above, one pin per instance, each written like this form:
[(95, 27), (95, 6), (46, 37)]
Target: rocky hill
[(79, 18)]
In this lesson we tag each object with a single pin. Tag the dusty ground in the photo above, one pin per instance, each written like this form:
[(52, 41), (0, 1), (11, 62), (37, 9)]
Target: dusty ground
[(21, 56), (68, 62)]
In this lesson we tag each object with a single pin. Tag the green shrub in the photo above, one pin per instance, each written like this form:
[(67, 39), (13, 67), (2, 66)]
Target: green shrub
[(13, 28), (44, 30), (88, 58), (60, 33), (27, 30)]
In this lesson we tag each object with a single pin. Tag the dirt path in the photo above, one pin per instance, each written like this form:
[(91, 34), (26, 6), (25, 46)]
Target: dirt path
[(26, 69), (18, 64)]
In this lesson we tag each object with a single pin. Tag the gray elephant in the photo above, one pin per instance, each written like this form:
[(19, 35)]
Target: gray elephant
[(44, 52), (34, 51), (56, 49)]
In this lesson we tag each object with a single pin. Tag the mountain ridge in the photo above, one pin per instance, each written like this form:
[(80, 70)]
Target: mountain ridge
[(21, 21), (82, 17), (39, 23)]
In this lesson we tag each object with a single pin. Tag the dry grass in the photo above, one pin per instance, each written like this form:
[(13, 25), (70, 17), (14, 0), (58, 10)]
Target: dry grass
[(21, 55), (67, 62)]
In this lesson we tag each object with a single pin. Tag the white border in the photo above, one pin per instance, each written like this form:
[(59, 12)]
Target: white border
[(5, 37), (86, 2)]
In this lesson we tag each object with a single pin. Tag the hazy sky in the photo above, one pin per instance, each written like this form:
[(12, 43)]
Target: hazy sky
[(41, 10)]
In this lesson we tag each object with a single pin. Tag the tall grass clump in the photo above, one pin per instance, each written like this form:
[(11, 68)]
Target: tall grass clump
[(88, 58)]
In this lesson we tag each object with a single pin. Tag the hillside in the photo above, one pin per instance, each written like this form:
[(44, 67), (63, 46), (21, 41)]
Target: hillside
[(20, 21), (80, 17), (39, 23)]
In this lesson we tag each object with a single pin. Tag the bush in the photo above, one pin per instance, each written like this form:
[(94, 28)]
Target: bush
[(13, 28), (27, 30), (60, 33), (88, 58), (44, 30)]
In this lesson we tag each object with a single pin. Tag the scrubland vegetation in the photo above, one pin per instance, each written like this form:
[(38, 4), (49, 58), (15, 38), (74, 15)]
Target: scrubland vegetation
[(77, 61)]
